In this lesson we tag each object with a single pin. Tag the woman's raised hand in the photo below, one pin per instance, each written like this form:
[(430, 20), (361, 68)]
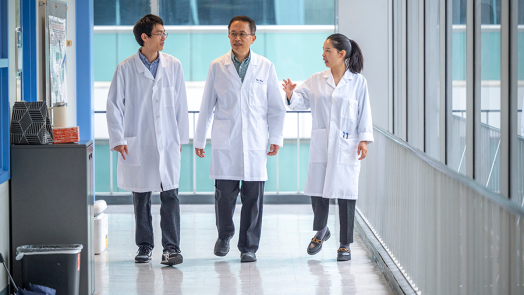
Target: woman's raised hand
[(288, 88)]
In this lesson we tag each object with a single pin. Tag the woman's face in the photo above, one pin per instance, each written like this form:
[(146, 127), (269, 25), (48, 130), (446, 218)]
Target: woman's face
[(332, 57)]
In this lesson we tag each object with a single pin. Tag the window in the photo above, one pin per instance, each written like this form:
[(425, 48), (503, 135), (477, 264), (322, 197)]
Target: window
[(488, 168), (4, 95), (415, 73), (120, 12), (456, 133), (518, 196), (432, 78)]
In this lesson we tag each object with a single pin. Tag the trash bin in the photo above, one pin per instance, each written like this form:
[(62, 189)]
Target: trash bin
[(55, 266)]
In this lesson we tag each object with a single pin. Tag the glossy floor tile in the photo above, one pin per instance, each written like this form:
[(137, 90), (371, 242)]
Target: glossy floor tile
[(283, 266)]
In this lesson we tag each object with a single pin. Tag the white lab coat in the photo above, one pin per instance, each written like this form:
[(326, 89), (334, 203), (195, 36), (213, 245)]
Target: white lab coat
[(341, 119), (150, 116), (245, 115)]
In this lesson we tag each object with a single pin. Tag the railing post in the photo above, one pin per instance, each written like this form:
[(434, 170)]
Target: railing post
[(110, 172), (298, 152), (194, 155)]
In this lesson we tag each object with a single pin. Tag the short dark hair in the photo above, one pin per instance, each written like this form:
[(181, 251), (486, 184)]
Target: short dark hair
[(246, 19), (146, 25)]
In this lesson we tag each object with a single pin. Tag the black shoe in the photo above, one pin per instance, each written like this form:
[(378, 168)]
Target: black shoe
[(144, 254), (222, 247), (171, 257), (343, 254), (316, 245), (248, 257)]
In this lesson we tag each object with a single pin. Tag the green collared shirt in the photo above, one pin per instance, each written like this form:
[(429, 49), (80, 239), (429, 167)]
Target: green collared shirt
[(241, 67)]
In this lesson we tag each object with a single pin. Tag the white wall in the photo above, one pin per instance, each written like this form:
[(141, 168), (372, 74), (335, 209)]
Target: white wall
[(367, 23)]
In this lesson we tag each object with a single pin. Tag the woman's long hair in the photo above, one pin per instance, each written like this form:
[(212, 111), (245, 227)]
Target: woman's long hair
[(354, 59)]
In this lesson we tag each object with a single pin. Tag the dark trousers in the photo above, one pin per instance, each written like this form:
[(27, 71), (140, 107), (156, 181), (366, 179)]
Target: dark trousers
[(251, 195), (346, 212), (169, 219)]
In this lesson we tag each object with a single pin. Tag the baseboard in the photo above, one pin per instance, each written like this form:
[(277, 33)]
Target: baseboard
[(281, 199), (396, 280), (5, 291)]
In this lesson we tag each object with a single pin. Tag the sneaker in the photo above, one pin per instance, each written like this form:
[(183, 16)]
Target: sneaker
[(144, 254), (171, 257)]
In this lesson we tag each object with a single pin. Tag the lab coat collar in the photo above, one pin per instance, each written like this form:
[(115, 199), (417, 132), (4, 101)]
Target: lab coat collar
[(329, 78), (141, 68), (233, 71)]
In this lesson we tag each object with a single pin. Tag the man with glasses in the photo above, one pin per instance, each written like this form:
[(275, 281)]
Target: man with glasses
[(148, 123), (242, 94)]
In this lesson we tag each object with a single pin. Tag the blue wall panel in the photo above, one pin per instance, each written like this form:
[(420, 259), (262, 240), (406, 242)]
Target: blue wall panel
[(28, 22), (84, 69)]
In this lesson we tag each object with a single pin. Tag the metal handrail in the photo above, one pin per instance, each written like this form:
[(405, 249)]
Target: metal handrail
[(472, 184), (111, 192)]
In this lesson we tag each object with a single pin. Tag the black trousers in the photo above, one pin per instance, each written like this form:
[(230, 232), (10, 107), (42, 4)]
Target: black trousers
[(169, 219), (251, 195), (346, 212)]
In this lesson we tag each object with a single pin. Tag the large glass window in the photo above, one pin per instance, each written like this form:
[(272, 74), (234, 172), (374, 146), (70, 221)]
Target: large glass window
[(120, 12), (198, 35), (456, 133), (432, 83), (488, 170), (264, 12)]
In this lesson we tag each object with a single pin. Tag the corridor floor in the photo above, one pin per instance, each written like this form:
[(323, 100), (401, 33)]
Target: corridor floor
[(283, 266)]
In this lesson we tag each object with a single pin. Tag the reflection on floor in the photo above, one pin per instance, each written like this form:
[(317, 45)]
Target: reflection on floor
[(283, 266)]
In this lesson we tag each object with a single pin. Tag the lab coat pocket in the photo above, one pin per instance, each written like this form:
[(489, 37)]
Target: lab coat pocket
[(258, 95), (133, 156), (348, 152), (168, 97), (318, 146), (220, 135), (350, 109)]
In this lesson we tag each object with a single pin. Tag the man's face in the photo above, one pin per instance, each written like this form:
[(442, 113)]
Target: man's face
[(243, 39), (155, 43)]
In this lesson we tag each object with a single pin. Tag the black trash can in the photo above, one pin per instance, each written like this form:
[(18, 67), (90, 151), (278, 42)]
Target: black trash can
[(55, 266)]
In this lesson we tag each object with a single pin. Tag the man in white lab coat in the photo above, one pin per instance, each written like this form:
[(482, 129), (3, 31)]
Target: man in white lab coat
[(243, 91), (148, 123)]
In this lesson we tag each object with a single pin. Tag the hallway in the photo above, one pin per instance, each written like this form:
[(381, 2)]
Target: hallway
[(283, 266)]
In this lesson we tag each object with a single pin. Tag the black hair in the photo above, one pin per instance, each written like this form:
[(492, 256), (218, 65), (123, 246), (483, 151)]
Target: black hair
[(146, 25), (246, 19), (354, 59)]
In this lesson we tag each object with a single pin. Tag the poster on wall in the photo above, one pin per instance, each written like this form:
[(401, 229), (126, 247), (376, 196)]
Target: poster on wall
[(57, 59)]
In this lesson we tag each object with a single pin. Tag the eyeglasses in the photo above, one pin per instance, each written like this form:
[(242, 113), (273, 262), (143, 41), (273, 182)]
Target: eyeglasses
[(160, 35), (242, 35)]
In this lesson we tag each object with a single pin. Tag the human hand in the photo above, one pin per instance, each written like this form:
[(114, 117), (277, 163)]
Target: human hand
[(362, 149), (122, 149), (273, 149), (200, 152), (180, 148), (288, 88)]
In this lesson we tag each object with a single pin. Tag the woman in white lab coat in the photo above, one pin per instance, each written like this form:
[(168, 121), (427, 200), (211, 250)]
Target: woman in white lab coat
[(341, 130)]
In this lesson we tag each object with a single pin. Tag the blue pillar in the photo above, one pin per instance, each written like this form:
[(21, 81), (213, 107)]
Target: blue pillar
[(4, 95), (84, 68), (28, 23)]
